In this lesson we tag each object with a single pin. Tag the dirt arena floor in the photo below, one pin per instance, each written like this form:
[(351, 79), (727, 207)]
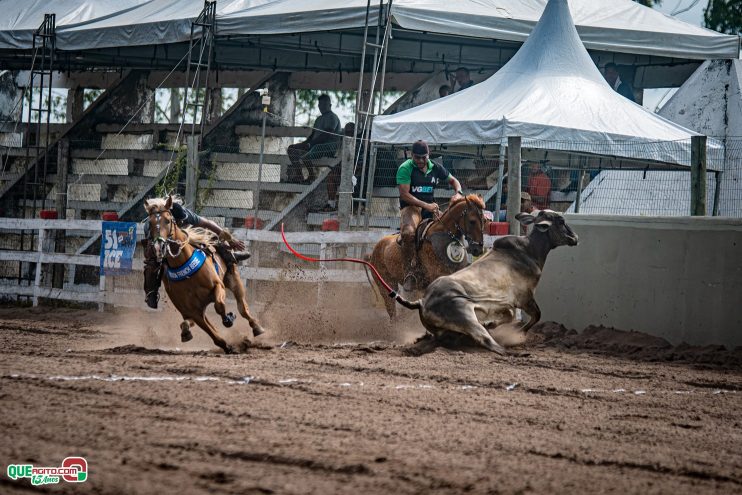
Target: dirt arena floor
[(332, 405)]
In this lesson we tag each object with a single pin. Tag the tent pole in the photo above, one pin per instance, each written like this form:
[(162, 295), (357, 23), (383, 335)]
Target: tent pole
[(500, 173), (513, 206)]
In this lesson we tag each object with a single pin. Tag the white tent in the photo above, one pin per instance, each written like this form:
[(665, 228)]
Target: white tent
[(710, 102), (612, 25), (551, 92)]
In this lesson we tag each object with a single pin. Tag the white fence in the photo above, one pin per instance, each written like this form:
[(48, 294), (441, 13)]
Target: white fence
[(107, 291)]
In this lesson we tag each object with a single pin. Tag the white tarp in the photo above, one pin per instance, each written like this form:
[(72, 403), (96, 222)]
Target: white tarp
[(710, 102), (551, 92), (611, 25)]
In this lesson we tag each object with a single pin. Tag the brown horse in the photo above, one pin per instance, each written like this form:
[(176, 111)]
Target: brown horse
[(440, 244), (195, 278)]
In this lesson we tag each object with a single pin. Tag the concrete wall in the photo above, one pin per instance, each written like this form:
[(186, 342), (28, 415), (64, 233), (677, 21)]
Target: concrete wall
[(677, 278)]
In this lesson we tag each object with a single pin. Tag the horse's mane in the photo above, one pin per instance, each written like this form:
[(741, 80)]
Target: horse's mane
[(198, 236), (472, 198), (155, 205)]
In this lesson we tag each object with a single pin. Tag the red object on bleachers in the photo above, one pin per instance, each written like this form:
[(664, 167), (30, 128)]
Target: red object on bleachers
[(48, 214), (331, 224), (250, 223), (496, 228), (110, 216)]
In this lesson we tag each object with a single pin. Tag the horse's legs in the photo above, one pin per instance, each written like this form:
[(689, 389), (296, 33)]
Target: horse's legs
[(220, 296), (206, 325), (185, 330), (234, 283)]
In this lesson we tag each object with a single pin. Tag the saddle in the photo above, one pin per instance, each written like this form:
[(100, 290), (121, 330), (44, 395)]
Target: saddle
[(449, 252)]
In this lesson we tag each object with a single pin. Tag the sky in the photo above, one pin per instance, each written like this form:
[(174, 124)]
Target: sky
[(657, 97)]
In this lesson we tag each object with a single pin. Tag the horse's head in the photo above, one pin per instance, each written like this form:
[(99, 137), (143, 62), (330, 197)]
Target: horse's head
[(466, 216), (162, 226)]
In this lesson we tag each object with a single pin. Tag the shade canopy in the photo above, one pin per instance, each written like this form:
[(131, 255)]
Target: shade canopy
[(611, 25), (550, 91)]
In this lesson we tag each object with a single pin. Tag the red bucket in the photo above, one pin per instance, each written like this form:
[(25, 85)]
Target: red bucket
[(110, 216), (48, 214), (331, 224), (497, 228), (251, 222)]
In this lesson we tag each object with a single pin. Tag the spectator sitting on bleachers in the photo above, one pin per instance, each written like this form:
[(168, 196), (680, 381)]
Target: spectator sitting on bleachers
[(333, 179), (322, 142)]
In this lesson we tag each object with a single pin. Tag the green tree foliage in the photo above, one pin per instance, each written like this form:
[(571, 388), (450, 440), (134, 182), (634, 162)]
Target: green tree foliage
[(724, 16)]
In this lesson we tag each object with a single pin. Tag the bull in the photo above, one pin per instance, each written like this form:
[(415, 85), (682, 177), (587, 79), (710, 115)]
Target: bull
[(486, 293)]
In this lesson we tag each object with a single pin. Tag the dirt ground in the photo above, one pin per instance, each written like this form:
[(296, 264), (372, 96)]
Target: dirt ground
[(327, 407)]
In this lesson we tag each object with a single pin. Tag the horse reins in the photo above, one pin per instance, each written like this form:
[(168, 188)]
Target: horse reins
[(461, 232), (167, 240)]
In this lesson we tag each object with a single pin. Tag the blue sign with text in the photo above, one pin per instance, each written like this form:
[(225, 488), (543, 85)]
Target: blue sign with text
[(117, 247)]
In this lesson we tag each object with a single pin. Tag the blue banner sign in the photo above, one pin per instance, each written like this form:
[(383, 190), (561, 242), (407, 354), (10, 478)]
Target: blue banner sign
[(117, 247)]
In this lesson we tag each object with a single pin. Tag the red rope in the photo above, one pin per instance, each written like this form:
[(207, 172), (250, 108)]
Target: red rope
[(392, 292)]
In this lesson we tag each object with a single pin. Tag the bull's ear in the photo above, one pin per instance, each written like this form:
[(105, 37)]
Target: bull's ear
[(169, 203), (525, 218), (543, 225)]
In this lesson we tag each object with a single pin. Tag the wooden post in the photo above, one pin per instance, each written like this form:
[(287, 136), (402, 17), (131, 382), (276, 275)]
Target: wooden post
[(37, 280), (717, 191), (370, 184), (60, 204), (191, 171), (500, 177), (513, 205), (698, 176), (345, 191), (75, 103)]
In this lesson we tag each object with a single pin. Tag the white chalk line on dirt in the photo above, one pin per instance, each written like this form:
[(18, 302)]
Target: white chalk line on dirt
[(296, 381)]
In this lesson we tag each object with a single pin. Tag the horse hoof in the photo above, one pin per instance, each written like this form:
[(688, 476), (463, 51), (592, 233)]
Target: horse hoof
[(230, 350), (228, 319), (257, 331), (186, 335)]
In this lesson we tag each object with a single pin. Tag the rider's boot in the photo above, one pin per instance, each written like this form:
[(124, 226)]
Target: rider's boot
[(230, 257), (409, 262), (152, 275)]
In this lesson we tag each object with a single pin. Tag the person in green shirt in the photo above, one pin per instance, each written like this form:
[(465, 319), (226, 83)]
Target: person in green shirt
[(416, 180)]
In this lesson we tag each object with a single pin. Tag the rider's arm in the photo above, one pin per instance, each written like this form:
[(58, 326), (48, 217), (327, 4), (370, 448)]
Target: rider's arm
[(212, 226), (407, 197), (456, 185)]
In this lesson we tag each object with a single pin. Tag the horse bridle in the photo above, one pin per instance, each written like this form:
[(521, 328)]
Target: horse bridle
[(462, 233), (169, 240)]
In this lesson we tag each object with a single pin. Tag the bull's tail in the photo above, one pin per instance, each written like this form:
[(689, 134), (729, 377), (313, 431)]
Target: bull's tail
[(404, 302)]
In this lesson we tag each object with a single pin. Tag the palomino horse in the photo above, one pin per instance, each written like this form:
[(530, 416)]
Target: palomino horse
[(194, 278), (441, 246)]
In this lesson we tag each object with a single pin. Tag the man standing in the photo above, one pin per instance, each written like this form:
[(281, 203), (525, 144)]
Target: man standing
[(462, 79), (416, 179), (322, 142), (539, 187), (620, 87)]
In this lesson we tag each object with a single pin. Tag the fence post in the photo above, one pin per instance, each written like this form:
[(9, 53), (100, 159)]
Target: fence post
[(698, 176), (513, 206), (37, 279), (370, 184), (191, 171), (500, 174), (345, 191), (60, 204), (717, 191)]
